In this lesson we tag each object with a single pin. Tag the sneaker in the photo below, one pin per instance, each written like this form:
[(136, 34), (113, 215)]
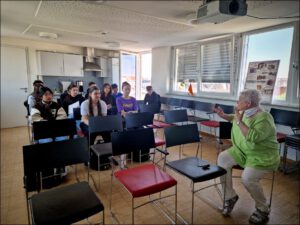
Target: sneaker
[(229, 204), (259, 217)]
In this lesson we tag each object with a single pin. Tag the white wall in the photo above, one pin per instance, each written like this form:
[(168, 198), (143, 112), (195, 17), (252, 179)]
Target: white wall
[(161, 69)]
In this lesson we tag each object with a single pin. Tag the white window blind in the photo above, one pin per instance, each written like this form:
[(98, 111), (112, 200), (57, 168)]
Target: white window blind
[(216, 61), (186, 61)]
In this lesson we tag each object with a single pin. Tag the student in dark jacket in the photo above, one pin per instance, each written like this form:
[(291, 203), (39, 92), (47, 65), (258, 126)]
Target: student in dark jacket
[(47, 109), (151, 97), (72, 97), (110, 100)]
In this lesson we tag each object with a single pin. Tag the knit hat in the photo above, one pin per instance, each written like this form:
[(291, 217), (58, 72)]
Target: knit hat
[(43, 90)]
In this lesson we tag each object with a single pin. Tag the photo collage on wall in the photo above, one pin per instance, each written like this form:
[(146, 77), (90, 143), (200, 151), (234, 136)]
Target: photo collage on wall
[(262, 77)]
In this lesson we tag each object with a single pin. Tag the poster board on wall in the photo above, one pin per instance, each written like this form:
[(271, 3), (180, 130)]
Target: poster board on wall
[(261, 76)]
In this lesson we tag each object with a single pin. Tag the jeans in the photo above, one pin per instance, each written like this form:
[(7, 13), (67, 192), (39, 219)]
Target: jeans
[(250, 179)]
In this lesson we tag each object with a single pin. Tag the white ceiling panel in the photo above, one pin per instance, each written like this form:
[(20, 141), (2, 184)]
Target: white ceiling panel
[(134, 25)]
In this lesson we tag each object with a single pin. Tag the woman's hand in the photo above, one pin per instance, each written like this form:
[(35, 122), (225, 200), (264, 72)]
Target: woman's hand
[(238, 116), (109, 106), (219, 111)]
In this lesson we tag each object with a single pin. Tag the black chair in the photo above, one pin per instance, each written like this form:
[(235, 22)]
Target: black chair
[(139, 120), (54, 128), (293, 142), (63, 205), (200, 106), (176, 116), (213, 124), (287, 118), (144, 179), (102, 125), (193, 168), (224, 134), (152, 108)]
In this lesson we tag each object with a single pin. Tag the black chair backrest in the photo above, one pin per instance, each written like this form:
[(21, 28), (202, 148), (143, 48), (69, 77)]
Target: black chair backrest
[(228, 109), (132, 141), (27, 107), (76, 113), (164, 100), (187, 104), (175, 116), (109, 123), (204, 106), (152, 108), (54, 128), (225, 130), (138, 120), (174, 101), (287, 118), (37, 158), (178, 135)]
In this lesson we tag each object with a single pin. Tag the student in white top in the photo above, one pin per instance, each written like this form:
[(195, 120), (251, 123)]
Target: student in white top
[(93, 106)]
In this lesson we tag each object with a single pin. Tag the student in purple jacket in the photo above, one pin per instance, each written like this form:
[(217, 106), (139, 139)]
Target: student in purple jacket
[(126, 104)]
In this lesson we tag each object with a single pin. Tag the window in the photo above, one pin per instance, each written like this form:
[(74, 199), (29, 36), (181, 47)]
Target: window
[(146, 68), (272, 45), (128, 71), (216, 61), (206, 65)]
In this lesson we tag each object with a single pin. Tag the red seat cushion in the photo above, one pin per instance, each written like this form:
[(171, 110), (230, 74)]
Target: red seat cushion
[(159, 142), (145, 180), (280, 137), (160, 124), (210, 123)]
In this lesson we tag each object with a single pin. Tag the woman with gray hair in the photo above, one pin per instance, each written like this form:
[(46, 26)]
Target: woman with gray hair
[(254, 147)]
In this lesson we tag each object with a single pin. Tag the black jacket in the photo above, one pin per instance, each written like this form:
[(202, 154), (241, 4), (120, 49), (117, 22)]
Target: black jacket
[(109, 99), (69, 100), (152, 99)]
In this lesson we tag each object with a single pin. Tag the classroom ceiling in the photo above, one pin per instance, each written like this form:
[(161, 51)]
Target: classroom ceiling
[(129, 25)]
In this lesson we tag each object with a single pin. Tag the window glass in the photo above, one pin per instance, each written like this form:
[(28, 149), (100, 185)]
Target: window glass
[(272, 45), (146, 66), (128, 71)]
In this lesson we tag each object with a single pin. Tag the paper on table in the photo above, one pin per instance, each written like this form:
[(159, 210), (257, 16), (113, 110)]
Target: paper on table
[(73, 106)]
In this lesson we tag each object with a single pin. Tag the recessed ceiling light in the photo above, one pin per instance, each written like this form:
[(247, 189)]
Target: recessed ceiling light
[(48, 35)]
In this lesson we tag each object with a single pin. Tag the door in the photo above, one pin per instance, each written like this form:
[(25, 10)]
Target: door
[(14, 86)]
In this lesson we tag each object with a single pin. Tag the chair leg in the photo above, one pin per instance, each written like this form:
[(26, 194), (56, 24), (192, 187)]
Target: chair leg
[(132, 210), (103, 217), (99, 161), (175, 204), (272, 187), (193, 186), (27, 207)]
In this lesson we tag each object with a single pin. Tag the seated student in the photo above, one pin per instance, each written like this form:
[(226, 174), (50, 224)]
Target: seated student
[(47, 109), (151, 97), (115, 93), (34, 97), (91, 84), (71, 98), (126, 104), (110, 101), (254, 147), (93, 106)]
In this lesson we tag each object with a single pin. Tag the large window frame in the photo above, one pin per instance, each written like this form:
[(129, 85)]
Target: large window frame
[(292, 93), (234, 40)]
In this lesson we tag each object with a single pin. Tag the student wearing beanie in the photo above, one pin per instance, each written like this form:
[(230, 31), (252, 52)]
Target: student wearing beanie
[(47, 109)]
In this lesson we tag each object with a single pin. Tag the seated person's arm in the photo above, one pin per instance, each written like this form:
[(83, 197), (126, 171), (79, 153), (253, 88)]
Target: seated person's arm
[(85, 119), (221, 114), (61, 114), (35, 115)]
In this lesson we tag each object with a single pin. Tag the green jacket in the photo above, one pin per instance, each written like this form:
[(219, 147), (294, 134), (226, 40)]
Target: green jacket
[(259, 149)]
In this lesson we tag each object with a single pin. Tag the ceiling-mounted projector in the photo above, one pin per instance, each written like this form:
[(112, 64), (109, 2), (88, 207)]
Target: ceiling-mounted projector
[(219, 11)]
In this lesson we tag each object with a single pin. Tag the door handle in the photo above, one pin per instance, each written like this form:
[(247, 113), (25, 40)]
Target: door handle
[(25, 89)]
